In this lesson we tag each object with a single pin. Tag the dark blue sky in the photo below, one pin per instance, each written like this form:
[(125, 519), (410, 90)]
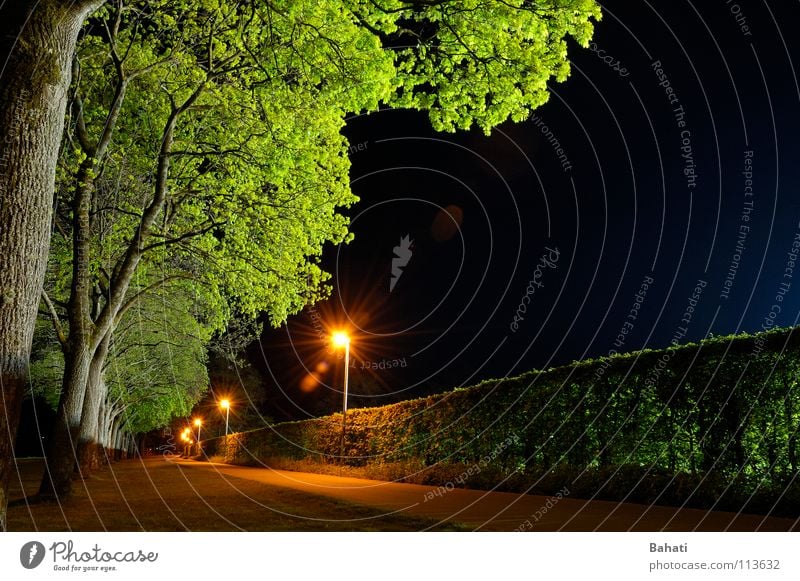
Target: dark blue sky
[(619, 217)]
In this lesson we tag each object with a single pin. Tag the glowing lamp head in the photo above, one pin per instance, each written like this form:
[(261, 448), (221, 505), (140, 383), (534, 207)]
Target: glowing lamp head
[(225, 404), (198, 422), (340, 339)]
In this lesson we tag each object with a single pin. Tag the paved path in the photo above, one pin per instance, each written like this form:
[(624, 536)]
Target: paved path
[(498, 511)]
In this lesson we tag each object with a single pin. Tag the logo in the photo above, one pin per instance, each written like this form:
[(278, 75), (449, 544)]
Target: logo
[(402, 254), (31, 554)]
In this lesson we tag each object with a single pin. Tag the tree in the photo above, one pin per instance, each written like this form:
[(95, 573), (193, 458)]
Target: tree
[(155, 370), (197, 158), (293, 67), (36, 48)]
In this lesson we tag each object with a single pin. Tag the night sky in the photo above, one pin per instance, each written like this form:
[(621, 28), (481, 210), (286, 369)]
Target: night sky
[(652, 200)]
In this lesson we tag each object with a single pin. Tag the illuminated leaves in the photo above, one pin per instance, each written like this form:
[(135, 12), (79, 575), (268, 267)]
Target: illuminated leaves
[(476, 62)]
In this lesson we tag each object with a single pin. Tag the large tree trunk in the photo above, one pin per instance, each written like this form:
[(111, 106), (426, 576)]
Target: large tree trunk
[(116, 439), (61, 456), (36, 50), (112, 438), (89, 452), (62, 459)]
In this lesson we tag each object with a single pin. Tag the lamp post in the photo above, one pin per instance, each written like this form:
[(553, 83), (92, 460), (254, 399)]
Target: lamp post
[(198, 422), (226, 405), (340, 339)]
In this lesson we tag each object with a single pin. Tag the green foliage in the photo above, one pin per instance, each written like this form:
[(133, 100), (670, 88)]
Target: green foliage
[(47, 365), (258, 166), (204, 145), (156, 369), (475, 62)]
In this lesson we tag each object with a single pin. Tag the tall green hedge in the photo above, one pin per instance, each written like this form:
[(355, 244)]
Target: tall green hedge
[(711, 424)]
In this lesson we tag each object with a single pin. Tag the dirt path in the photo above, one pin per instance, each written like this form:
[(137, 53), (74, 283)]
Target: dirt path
[(497, 511), (158, 495), (155, 494)]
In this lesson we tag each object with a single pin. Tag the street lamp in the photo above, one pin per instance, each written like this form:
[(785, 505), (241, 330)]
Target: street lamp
[(198, 422), (226, 405), (340, 339), (185, 438)]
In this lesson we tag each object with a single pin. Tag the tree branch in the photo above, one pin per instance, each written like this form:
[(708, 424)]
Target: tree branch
[(184, 236), (123, 271), (141, 292), (62, 337), (77, 110)]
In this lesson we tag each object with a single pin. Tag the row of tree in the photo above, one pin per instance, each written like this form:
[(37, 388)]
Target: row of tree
[(202, 160), (155, 369)]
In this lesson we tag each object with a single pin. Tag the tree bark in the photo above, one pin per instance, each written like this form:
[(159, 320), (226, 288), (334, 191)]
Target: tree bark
[(82, 345), (61, 456), (88, 437), (110, 422), (117, 439), (103, 429), (36, 51)]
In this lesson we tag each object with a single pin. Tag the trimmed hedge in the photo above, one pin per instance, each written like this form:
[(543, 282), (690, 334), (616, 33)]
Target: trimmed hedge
[(712, 424)]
